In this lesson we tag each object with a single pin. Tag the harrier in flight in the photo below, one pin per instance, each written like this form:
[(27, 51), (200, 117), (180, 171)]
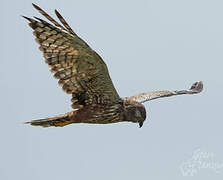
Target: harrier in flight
[(83, 73)]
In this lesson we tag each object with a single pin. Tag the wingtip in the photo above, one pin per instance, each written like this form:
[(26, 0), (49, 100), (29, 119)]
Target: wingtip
[(35, 6), (57, 13), (37, 18), (197, 87), (27, 18)]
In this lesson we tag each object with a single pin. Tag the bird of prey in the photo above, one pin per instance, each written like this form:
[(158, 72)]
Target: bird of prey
[(83, 73)]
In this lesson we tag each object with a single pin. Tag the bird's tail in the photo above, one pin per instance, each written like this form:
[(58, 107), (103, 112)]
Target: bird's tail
[(58, 121)]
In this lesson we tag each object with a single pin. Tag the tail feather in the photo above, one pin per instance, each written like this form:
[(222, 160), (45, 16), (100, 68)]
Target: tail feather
[(57, 121)]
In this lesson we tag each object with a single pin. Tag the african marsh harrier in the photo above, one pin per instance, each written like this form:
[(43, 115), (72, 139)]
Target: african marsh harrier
[(83, 73)]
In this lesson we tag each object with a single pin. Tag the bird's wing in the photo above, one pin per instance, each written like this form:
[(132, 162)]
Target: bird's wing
[(143, 97), (80, 70)]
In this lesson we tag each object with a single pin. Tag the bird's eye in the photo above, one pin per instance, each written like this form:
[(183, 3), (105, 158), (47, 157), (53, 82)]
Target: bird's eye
[(137, 113)]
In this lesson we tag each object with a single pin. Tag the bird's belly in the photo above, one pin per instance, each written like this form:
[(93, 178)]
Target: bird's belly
[(102, 120), (99, 115)]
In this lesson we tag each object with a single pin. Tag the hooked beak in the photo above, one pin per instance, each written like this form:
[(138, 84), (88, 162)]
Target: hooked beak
[(141, 124)]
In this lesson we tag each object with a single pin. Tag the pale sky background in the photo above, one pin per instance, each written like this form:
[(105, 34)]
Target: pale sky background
[(147, 45)]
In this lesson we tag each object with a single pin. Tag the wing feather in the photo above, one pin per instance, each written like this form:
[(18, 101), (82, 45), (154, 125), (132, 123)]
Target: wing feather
[(80, 70), (62, 20), (196, 87), (48, 16)]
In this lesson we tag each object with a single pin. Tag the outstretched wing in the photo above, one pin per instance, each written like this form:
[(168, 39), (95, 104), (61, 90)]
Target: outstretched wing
[(197, 87), (80, 70)]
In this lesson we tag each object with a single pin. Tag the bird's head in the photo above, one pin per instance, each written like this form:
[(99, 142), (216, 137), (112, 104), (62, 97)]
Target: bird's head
[(135, 112)]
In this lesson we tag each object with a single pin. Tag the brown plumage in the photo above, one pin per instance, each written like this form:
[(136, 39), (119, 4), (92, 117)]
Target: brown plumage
[(83, 73)]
